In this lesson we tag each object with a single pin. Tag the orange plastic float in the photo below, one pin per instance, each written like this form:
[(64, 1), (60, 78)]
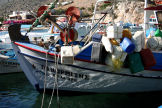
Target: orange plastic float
[(72, 36), (41, 10)]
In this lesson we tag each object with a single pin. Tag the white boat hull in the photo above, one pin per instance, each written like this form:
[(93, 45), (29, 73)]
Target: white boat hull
[(9, 66), (84, 76)]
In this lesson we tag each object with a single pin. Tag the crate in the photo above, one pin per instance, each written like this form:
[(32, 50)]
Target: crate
[(67, 56), (96, 55), (114, 32)]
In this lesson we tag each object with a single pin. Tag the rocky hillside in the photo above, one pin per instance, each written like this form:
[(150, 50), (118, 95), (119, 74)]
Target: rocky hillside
[(13, 5), (125, 11), (130, 12)]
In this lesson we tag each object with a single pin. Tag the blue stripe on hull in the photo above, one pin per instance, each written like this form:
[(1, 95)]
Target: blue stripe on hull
[(158, 58)]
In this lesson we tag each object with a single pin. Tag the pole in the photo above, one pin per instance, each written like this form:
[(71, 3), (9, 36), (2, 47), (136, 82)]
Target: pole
[(145, 18)]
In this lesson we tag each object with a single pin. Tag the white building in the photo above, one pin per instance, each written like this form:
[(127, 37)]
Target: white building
[(20, 15)]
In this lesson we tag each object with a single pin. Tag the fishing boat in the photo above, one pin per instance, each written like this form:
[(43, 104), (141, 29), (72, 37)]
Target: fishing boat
[(80, 66), (8, 62), (4, 27)]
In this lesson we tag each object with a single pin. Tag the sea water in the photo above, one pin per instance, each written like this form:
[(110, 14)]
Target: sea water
[(17, 92)]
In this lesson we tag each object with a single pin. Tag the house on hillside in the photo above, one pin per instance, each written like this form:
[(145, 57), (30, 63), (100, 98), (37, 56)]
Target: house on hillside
[(23, 17), (19, 15)]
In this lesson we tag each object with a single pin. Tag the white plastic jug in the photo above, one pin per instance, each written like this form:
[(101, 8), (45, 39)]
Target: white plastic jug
[(107, 44), (139, 40), (114, 31), (154, 43)]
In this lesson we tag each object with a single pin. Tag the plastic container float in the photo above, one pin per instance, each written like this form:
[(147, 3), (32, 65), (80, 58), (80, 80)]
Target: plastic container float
[(127, 45), (147, 58)]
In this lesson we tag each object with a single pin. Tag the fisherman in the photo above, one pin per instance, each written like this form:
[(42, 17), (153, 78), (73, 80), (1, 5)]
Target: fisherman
[(41, 43), (35, 39)]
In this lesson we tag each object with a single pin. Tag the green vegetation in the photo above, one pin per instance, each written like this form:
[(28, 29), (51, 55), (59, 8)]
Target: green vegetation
[(86, 14), (103, 6), (91, 9), (82, 8), (60, 11)]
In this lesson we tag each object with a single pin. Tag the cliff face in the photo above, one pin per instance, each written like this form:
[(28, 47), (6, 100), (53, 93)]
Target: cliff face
[(130, 12), (125, 11)]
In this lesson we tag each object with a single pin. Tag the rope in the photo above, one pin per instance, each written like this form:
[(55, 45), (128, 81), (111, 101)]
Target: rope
[(44, 81), (55, 84), (53, 88), (56, 80), (93, 28), (91, 36)]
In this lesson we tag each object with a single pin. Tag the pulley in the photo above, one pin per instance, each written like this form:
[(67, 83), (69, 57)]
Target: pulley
[(41, 10), (73, 14)]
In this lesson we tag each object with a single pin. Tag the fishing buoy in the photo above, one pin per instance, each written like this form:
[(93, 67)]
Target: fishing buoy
[(155, 43), (127, 33), (114, 42), (147, 57), (73, 14), (158, 33), (106, 42), (127, 45), (41, 10), (139, 40), (71, 36)]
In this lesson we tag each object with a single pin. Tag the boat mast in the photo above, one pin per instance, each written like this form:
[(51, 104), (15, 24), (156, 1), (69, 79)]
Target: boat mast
[(145, 18)]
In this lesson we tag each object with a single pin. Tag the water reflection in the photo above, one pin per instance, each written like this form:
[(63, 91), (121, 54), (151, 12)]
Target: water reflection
[(138, 100), (17, 92)]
